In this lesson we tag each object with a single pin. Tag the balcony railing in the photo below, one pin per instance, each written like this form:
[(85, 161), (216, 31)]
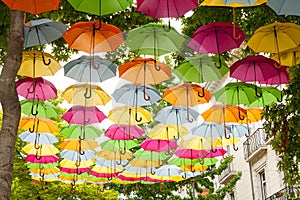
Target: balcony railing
[(285, 194), (255, 144), (227, 174)]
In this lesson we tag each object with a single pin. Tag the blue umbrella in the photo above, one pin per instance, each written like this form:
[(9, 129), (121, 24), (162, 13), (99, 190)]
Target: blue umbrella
[(210, 129), (175, 115), (110, 163), (136, 95), (285, 7), (90, 69), (76, 155), (38, 138)]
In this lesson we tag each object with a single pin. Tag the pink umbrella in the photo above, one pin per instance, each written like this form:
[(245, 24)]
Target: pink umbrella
[(41, 159), (158, 145), (282, 77), (123, 132), (75, 171), (83, 115), (104, 175), (36, 88), (217, 38), (190, 153), (215, 152)]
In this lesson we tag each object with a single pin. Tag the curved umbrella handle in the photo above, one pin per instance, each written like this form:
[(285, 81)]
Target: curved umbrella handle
[(110, 178), (203, 93), (225, 133), (32, 129), (201, 161), (236, 37), (258, 94), (157, 68), (235, 147), (44, 61), (160, 188), (190, 120), (184, 176), (123, 152), (146, 97), (192, 169), (33, 86), (101, 189), (240, 116), (152, 172), (81, 152), (37, 157), (213, 150), (281, 97), (248, 129), (220, 63), (36, 112), (119, 163), (160, 162), (136, 117), (88, 93)]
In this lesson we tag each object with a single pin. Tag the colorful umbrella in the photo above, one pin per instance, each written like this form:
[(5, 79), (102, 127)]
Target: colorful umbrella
[(253, 115), (83, 115), (35, 7), (158, 145), (36, 64), (93, 36), (115, 156), (284, 7), (169, 170), (76, 131), (38, 125), (42, 31), (40, 165), (210, 129), (153, 39), (109, 163), (233, 3), (136, 95), (269, 95), (42, 150), (144, 163), (174, 160), (90, 69), (128, 115), (32, 158), (78, 145), (167, 132), (200, 69), (36, 88), (282, 77), (119, 145), (196, 154), (150, 155), (65, 163), (123, 132), (76, 155), (41, 109), (86, 95), (38, 138), (290, 57)]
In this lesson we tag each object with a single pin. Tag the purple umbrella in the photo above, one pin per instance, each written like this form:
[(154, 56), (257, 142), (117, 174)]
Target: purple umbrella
[(83, 115), (124, 132), (217, 38), (158, 145), (36, 88)]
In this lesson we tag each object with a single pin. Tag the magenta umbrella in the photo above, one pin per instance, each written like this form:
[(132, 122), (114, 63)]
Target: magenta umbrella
[(158, 145), (75, 171), (217, 38), (41, 159), (82, 115), (104, 175), (282, 77), (190, 153), (123, 132), (36, 88)]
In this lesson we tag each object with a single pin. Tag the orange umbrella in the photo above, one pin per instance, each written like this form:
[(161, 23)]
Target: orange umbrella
[(93, 37), (34, 124), (78, 145), (138, 162), (253, 115)]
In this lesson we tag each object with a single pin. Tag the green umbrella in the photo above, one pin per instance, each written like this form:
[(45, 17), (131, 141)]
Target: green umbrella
[(75, 131), (41, 165), (196, 162), (100, 7), (154, 39), (200, 69), (150, 155), (41, 109), (119, 145), (269, 95), (82, 175)]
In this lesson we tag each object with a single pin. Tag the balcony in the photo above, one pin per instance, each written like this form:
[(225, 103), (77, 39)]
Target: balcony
[(255, 146), (227, 174), (285, 194)]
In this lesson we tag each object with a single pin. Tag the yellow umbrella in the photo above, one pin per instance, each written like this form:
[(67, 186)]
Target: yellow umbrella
[(193, 168), (275, 38), (290, 57), (53, 170), (196, 143), (38, 125), (107, 169), (40, 150), (86, 95), (37, 64), (167, 132), (78, 145), (65, 163), (253, 115), (138, 162), (222, 141), (129, 115), (233, 4), (114, 155), (45, 179)]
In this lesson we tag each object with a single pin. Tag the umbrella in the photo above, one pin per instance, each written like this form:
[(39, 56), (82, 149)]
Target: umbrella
[(42, 31), (210, 129), (109, 163), (100, 7), (78, 145), (233, 3), (253, 115), (158, 145), (65, 163), (169, 170), (129, 115), (119, 145), (36, 88), (42, 150), (93, 36), (76, 131), (36, 64), (153, 39), (290, 57), (32, 158), (217, 38), (136, 95), (83, 115), (167, 132), (116, 157), (196, 154), (269, 95), (285, 7), (38, 138), (254, 69), (76, 155), (200, 69), (41, 109), (77, 170), (123, 132), (136, 162), (86, 95), (282, 77), (38, 125), (151, 155), (41, 165), (144, 71), (174, 160), (275, 37), (90, 69)]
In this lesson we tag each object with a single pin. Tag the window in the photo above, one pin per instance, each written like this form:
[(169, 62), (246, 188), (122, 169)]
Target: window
[(263, 184)]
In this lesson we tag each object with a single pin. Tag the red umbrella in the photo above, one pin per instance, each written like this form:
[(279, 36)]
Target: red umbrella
[(41, 159), (158, 145), (123, 132)]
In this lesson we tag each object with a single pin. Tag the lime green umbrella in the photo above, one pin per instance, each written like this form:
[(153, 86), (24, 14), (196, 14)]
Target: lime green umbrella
[(82, 175), (269, 95), (196, 162), (40, 109), (150, 155), (100, 7), (75, 131), (41, 165), (200, 69), (119, 145)]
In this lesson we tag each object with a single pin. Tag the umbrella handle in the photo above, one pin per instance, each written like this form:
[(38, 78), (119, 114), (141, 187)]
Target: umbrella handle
[(88, 93), (44, 61), (160, 188), (184, 176), (123, 152), (192, 169), (24, 21), (156, 67), (281, 97), (258, 94), (214, 150), (119, 163), (109, 178), (248, 129), (37, 157), (188, 116), (160, 162), (152, 172), (169, 27), (136, 118), (201, 161), (220, 63), (203, 93), (36, 109), (225, 131), (32, 129), (146, 97), (31, 89), (77, 163), (235, 147), (240, 117)]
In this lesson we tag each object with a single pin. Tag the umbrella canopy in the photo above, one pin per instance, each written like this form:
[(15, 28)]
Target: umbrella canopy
[(153, 39), (150, 155), (174, 160), (76, 155), (136, 162), (233, 3), (158, 145), (119, 145), (86, 95), (128, 115), (35, 7), (144, 71), (123, 132), (65, 163), (165, 9), (42, 150), (169, 170), (41, 165), (167, 132), (200, 69), (83, 115), (285, 7), (32, 158), (42, 31), (36, 88), (282, 77), (254, 69), (78, 145), (76, 131), (269, 95), (90, 69), (253, 115), (290, 57), (196, 154), (38, 125), (210, 129), (100, 7), (109, 163), (93, 36), (136, 95), (115, 156), (41, 109), (38, 138), (36, 64)]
